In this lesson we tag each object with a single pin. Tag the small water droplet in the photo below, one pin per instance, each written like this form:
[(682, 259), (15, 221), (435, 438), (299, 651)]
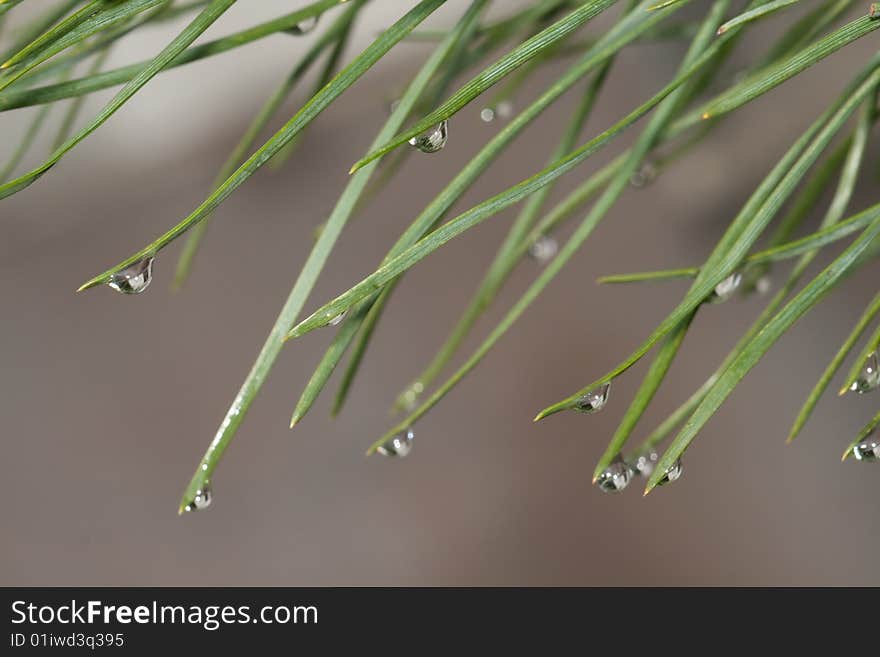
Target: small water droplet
[(544, 249), (304, 26), (645, 462), (432, 141), (202, 499), (868, 450), (673, 473), (645, 175), (595, 400), (615, 477), (726, 288), (336, 321), (869, 377), (393, 105), (763, 285), (135, 278), (399, 445), (503, 110), (410, 398)]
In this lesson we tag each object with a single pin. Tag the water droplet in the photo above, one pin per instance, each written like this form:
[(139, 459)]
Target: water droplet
[(336, 321), (135, 278), (645, 175), (869, 377), (595, 400), (673, 473), (503, 110), (393, 105), (868, 450), (645, 462), (399, 445), (202, 499), (434, 140), (304, 26), (763, 285), (410, 398), (726, 288), (544, 249), (615, 477)]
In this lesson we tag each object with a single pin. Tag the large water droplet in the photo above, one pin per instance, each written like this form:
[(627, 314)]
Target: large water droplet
[(202, 499), (399, 445), (644, 175), (135, 278), (868, 450), (615, 477), (673, 473), (304, 26), (595, 400), (869, 377), (503, 110), (645, 463), (544, 249), (336, 321), (726, 288), (434, 140)]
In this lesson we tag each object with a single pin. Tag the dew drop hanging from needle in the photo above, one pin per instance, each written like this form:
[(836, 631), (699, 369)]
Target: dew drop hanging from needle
[(503, 110), (868, 450), (595, 400), (135, 278), (544, 249), (434, 140), (645, 463), (615, 477), (869, 377), (673, 473), (202, 499), (399, 445), (726, 288), (645, 175), (304, 26), (336, 321)]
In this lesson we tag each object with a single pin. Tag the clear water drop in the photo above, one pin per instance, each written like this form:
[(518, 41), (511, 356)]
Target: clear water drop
[(763, 285), (399, 445), (135, 278), (434, 140), (544, 249), (645, 175), (503, 110), (410, 398), (595, 400), (869, 377), (393, 105), (202, 499), (673, 473), (868, 450), (304, 26), (336, 321), (726, 288), (615, 477), (645, 463)]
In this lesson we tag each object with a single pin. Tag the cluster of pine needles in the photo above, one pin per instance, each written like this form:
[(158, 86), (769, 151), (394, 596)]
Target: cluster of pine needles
[(497, 52)]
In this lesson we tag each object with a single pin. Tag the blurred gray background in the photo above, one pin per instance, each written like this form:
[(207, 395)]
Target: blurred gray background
[(108, 401)]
